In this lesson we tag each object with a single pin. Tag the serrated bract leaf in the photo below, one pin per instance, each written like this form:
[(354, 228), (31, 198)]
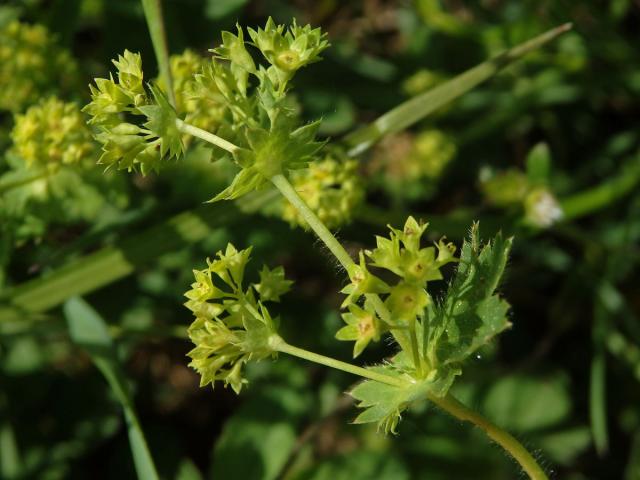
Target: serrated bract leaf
[(384, 404), (472, 313)]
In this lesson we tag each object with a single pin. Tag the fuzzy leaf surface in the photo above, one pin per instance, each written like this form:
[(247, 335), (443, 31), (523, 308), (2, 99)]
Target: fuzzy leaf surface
[(472, 314)]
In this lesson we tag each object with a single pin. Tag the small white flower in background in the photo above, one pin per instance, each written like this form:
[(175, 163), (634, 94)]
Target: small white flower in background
[(542, 208)]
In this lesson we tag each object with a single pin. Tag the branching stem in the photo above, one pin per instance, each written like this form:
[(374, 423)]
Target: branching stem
[(447, 403)]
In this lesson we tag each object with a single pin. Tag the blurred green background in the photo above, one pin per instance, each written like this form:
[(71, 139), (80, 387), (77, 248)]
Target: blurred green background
[(547, 150)]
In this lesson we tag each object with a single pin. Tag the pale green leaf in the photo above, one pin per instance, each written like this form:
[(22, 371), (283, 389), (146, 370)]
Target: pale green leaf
[(89, 331)]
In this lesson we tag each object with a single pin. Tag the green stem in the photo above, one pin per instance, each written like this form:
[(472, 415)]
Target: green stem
[(281, 346), (417, 108), (153, 13), (287, 190), (206, 136), (448, 403), (520, 454), (601, 196), (415, 351)]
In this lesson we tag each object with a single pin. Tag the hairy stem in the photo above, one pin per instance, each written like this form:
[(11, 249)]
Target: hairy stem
[(507, 441), (281, 346), (287, 190), (448, 403)]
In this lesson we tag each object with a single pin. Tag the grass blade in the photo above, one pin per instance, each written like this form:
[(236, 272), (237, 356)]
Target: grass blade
[(113, 263), (88, 330), (155, 21), (417, 108)]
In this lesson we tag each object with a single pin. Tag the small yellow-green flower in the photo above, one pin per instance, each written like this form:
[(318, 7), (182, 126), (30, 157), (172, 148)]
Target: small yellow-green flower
[(504, 189), (513, 188), (52, 133), (362, 327), (289, 50), (272, 284), (32, 65)]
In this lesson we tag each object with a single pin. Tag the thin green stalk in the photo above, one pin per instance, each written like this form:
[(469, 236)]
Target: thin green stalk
[(287, 190), (415, 350), (206, 136), (588, 201), (507, 441), (448, 403), (281, 346), (153, 13), (417, 108)]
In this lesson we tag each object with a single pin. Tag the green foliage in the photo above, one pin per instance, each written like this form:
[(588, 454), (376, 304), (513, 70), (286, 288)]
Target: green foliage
[(550, 143), (89, 331)]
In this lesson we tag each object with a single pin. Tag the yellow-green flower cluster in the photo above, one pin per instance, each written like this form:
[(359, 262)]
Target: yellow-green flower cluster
[(232, 325), (199, 103), (331, 187), (32, 65), (407, 300), (432, 152), (289, 50), (131, 145), (52, 133)]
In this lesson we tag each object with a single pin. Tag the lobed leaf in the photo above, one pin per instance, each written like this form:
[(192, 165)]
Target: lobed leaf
[(472, 314)]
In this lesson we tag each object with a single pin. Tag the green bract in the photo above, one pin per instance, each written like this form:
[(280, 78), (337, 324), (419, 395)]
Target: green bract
[(446, 332), (125, 145), (232, 326)]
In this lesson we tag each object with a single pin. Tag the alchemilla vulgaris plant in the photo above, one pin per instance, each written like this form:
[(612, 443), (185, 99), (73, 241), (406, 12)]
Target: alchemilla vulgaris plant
[(239, 102)]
